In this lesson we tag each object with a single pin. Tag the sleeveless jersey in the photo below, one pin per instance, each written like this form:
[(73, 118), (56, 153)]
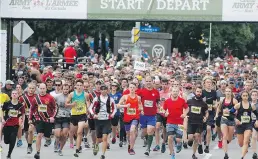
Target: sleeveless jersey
[(80, 107), (132, 112), (229, 116), (244, 115)]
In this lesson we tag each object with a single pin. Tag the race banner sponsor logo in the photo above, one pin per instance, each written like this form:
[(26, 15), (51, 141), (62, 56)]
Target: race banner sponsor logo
[(240, 10), (44, 9)]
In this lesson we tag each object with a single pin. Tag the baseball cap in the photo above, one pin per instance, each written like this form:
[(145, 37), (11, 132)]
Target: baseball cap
[(103, 87), (9, 82)]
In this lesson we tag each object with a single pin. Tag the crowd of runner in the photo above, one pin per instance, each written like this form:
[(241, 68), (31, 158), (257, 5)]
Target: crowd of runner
[(179, 102)]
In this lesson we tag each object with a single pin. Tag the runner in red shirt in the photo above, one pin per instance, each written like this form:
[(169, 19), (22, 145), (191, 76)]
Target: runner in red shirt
[(176, 110), (44, 111), (150, 98), (132, 108)]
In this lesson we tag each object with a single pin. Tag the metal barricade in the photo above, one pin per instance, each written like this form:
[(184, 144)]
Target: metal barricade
[(52, 61)]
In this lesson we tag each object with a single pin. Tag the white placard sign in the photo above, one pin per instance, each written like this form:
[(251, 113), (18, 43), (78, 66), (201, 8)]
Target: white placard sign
[(139, 66), (44, 9), (3, 52), (240, 10)]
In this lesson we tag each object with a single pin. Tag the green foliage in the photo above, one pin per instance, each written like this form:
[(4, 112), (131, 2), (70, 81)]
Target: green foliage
[(236, 36)]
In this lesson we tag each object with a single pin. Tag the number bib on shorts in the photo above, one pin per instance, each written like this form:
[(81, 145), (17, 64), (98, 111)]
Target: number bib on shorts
[(210, 106), (196, 110), (131, 111), (42, 108), (13, 113), (245, 119), (103, 116), (148, 103)]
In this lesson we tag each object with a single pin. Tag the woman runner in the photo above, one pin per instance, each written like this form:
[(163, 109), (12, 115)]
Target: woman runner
[(11, 110)]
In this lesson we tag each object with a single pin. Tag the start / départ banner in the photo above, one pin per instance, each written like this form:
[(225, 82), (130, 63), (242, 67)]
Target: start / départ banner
[(135, 10), (174, 10)]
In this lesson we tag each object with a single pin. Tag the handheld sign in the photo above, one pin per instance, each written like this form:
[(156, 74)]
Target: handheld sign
[(139, 65)]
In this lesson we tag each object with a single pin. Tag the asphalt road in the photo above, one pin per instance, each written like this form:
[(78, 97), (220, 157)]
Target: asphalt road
[(117, 153)]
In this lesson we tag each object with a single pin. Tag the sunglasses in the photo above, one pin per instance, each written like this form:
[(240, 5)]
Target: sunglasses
[(58, 85)]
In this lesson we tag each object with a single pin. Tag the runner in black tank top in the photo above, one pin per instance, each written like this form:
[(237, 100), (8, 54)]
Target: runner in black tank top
[(243, 121), (227, 119)]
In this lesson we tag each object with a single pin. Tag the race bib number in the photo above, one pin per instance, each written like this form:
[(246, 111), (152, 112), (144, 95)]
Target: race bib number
[(245, 119), (225, 113), (196, 110), (131, 111), (210, 107), (163, 99), (181, 127), (42, 108), (13, 113), (148, 103), (80, 109), (103, 116)]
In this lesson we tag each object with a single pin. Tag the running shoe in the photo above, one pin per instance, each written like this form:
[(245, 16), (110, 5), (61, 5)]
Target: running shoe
[(194, 157), (1, 148), (185, 145), (87, 145), (206, 150), (36, 156), (71, 146), (108, 147), (255, 156), (200, 150), (113, 140), (47, 143), (131, 152), (173, 156), (226, 156), (156, 148), (178, 147), (96, 150), (120, 144), (29, 150), (163, 148), (147, 152), (60, 153), (19, 143), (102, 157), (76, 154)]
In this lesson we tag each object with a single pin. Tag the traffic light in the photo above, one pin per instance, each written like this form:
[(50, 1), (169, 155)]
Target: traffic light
[(135, 35)]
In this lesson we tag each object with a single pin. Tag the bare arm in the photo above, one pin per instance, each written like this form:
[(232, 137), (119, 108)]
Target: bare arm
[(68, 101)]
